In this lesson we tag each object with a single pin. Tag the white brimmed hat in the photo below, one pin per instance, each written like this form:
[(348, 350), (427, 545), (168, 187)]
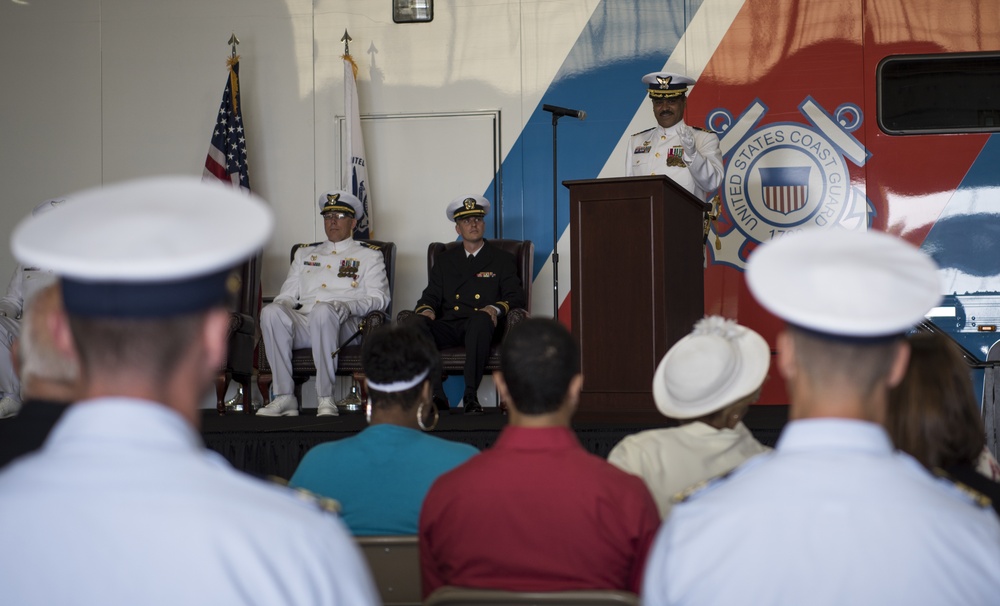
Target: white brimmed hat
[(843, 283), (711, 368), (146, 248), (337, 200), (468, 206)]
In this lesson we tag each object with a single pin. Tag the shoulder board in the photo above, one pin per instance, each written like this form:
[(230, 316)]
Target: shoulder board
[(319, 501), (691, 491), (310, 244), (971, 493), (706, 485), (704, 130), (642, 132), (370, 245)]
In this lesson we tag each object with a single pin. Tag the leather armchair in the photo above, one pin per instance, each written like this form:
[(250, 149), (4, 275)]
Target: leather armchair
[(453, 358), (349, 359)]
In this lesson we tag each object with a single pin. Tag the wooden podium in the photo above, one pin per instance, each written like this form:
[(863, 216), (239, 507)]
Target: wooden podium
[(638, 287)]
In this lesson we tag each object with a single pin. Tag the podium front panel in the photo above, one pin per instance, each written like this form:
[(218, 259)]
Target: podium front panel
[(638, 286)]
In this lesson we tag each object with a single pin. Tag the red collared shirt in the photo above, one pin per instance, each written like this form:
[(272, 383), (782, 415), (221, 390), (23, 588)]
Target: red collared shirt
[(536, 513)]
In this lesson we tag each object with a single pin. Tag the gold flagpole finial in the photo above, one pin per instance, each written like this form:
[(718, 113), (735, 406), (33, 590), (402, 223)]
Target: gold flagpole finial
[(346, 40), (233, 41)]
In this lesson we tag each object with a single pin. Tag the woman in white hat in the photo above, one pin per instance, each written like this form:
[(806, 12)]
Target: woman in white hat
[(707, 381)]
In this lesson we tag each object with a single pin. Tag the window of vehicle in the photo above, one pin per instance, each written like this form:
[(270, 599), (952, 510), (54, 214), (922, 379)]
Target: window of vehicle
[(946, 93)]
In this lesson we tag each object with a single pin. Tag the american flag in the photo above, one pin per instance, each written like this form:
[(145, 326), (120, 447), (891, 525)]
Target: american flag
[(227, 153)]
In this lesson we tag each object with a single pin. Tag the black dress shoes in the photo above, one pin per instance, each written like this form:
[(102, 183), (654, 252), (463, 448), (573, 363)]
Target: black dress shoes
[(441, 403), (472, 405)]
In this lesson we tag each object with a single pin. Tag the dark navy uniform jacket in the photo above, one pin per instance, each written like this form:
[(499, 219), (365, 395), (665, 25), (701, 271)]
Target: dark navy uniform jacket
[(459, 287)]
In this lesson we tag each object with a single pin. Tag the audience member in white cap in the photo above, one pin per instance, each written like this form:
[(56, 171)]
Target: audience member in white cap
[(833, 515), (688, 155), (471, 288), (330, 288), (124, 504), (26, 281), (394, 448), (49, 372), (707, 381)]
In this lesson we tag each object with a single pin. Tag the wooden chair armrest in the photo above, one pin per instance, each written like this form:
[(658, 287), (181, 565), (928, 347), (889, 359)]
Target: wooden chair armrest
[(513, 318)]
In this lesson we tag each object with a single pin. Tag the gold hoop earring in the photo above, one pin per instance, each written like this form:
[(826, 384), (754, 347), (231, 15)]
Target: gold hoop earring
[(420, 417), (368, 412)]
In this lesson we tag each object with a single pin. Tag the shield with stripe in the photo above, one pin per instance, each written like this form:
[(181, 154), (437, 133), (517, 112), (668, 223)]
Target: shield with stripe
[(785, 188)]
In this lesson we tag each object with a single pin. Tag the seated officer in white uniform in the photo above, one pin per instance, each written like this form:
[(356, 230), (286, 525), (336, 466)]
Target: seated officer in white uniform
[(124, 504), (833, 515), (689, 156), (24, 284), (330, 287)]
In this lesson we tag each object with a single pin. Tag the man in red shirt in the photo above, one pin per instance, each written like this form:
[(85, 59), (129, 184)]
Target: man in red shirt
[(537, 512)]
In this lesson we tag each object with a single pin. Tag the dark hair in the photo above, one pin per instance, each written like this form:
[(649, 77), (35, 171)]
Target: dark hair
[(398, 353), (538, 359), (932, 413)]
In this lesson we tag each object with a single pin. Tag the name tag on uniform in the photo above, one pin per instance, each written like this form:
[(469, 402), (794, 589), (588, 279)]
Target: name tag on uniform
[(486, 274)]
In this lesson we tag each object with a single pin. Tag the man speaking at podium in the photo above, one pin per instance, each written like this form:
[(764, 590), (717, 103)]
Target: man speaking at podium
[(689, 156)]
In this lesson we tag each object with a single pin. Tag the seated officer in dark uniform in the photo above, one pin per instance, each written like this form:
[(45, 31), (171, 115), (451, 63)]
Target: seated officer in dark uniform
[(471, 288)]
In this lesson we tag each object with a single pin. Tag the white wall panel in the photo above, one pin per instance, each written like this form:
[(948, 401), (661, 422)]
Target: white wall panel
[(50, 107), (104, 90), (413, 194)]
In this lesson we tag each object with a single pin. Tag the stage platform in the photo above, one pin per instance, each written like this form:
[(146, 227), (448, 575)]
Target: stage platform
[(273, 446)]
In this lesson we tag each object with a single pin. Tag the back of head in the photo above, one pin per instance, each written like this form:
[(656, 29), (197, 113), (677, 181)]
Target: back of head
[(539, 359), (398, 360), (848, 298), (932, 413)]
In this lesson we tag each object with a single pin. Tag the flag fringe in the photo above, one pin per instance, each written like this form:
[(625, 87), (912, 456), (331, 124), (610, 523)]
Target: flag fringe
[(354, 66), (234, 81)]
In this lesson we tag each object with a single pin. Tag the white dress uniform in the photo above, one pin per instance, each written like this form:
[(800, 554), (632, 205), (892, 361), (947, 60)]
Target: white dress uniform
[(24, 284), (336, 284), (124, 506), (658, 151), (673, 459), (833, 516)]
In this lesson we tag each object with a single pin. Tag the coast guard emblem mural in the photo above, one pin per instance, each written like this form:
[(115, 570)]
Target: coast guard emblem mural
[(784, 177)]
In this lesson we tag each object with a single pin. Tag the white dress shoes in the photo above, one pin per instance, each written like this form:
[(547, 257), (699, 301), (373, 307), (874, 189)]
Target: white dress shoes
[(327, 407), (281, 406)]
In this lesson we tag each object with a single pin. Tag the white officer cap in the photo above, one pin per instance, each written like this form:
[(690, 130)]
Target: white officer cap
[(147, 248), (467, 206), (844, 284), (337, 200), (664, 85), (717, 364)]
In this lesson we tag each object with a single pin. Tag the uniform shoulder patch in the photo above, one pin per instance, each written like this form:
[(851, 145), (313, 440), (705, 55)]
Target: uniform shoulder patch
[(318, 501), (691, 491), (969, 492), (370, 245), (642, 132)]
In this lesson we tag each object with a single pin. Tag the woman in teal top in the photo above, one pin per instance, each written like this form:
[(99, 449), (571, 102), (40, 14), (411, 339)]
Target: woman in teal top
[(381, 475)]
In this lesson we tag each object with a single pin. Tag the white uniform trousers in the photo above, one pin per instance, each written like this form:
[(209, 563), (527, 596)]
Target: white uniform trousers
[(10, 329), (285, 329)]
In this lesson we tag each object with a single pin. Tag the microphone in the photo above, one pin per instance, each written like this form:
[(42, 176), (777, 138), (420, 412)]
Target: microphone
[(563, 111)]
